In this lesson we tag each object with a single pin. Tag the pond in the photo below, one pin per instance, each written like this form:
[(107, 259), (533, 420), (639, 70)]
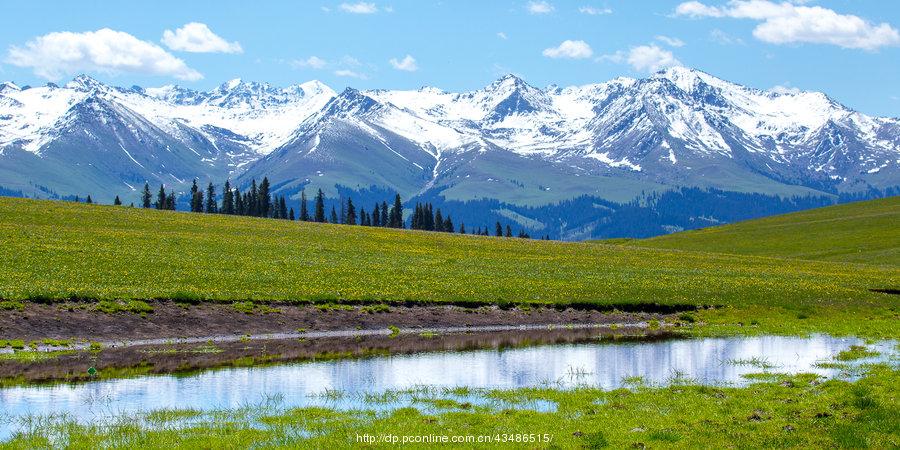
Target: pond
[(605, 363)]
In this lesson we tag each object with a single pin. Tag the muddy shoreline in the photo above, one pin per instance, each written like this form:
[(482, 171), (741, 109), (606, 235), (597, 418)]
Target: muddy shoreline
[(170, 320), (185, 358)]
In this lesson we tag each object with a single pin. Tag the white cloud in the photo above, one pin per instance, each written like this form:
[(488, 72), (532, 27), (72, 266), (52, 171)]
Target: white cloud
[(196, 37), (593, 11), (644, 58), (502, 35), (57, 54), (670, 41), (786, 22), (408, 64), (570, 49), (359, 8), (650, 58), (313, 62), (540, 7), (350, 74)]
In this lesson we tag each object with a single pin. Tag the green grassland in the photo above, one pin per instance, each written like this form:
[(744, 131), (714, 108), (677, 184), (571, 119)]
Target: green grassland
[(61, 250), (58, 250), (861, 232)]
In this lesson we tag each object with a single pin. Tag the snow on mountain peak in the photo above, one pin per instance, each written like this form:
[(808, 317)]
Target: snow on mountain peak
[(9, 86), (611, 123), (84, 83)]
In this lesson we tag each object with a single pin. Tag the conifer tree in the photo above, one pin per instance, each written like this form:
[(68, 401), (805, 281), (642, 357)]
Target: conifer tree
[(428, 218), (396, 218), (508, 231), (117, 202), (462, 228), (146, 196), (88, 200), (448, 225), (499, 230), (363, 219), (251, 203), (170, 201), (438, 221), (282, 208), (415, 223), (351, 212), (264, 209), (376, 217), (238, 202), (291, 216), (384, 214), (227, 199), (304, 212), (195, 207), (197, 202), (334, 216), (161, 198), (212, 206), (320, 206)]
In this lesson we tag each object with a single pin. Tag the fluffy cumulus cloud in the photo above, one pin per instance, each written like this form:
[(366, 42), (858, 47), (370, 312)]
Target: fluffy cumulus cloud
[(570, 49), (359, 8), (407, 64), (196, 37), (58, 54), (650, 58), (539, 7), (644, 58), (786, 22)]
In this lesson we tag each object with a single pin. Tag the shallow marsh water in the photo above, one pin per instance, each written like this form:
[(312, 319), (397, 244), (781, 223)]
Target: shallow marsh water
[(345, 383)]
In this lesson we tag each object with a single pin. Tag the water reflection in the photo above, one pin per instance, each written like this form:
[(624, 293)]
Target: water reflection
[(603, 364)]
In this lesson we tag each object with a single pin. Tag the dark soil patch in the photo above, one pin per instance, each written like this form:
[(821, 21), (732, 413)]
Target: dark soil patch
[(187, 358), (79, 320)]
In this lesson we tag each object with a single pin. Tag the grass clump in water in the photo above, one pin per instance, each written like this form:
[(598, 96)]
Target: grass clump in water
[(855, 352)]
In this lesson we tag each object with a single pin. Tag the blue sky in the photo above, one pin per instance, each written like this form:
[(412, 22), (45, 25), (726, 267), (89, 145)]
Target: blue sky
[(848, 49)]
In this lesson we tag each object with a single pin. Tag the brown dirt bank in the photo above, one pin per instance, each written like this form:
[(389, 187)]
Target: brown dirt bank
[(73, 320), (186, 358)]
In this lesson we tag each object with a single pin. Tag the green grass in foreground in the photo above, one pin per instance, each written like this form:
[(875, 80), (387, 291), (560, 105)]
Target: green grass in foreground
[(784, 411), (862, 232)]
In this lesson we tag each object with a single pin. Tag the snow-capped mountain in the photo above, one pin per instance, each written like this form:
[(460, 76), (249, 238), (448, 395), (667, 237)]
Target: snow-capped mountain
[(508, 141)]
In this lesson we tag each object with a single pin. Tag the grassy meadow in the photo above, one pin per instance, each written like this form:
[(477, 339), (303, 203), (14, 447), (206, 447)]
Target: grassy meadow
[(861, 232), (807, 272), (62, 250)]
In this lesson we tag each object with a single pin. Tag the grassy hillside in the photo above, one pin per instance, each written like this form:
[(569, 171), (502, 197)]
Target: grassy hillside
[(56, 250), (864, 232)]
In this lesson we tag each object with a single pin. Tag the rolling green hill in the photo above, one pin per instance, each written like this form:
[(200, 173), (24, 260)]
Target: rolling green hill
[(863, 232), (59, 250)]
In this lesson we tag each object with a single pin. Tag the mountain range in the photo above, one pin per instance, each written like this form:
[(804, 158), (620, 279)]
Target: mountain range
[(509, 142)]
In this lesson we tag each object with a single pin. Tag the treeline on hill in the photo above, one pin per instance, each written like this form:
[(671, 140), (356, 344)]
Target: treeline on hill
[(258, 201), (648, 215), (584, 217)]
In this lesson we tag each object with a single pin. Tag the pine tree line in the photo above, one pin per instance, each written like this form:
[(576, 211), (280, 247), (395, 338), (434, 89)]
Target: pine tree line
[(424, 218), (257, 201)]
